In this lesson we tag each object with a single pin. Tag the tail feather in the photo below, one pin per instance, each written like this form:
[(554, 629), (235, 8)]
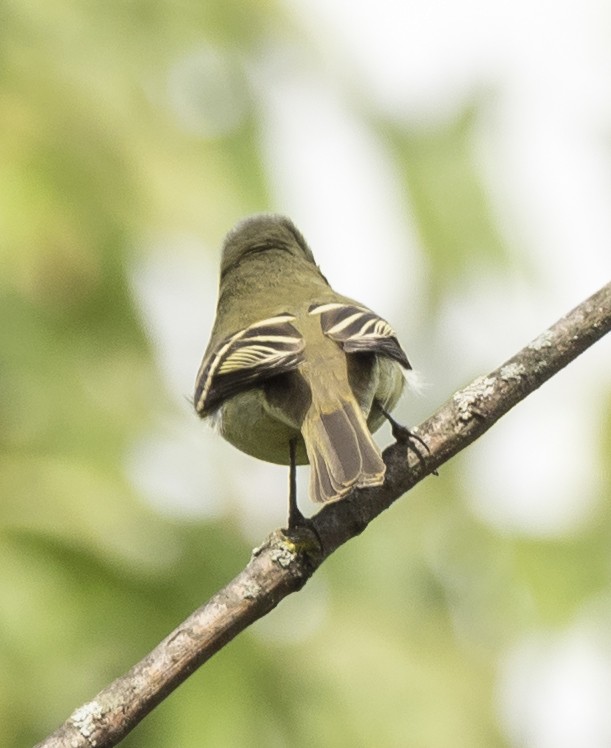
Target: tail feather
[(341, 452)]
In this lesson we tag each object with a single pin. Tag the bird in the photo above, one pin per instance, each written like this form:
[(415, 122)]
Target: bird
[(295, 373)]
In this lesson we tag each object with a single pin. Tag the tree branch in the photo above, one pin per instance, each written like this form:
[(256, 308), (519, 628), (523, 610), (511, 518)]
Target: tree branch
[(286, 561)]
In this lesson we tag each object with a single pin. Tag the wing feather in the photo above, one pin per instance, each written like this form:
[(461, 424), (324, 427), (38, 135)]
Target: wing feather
[(358, 330), (246, 358)]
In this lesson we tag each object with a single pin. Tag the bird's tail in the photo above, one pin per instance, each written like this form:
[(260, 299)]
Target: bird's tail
[(341, 451)]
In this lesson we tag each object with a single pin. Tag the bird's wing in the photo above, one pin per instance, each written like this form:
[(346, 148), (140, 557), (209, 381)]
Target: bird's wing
[(246, 358), (358, 330)]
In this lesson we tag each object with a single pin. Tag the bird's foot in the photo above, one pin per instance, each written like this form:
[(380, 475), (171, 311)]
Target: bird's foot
[(413, 442)]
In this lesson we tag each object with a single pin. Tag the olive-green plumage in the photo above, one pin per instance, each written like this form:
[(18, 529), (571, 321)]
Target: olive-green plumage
[(290, 359)]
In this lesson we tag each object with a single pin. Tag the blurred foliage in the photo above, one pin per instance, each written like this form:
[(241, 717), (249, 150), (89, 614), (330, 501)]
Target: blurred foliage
[(91, 578), (443, 181)]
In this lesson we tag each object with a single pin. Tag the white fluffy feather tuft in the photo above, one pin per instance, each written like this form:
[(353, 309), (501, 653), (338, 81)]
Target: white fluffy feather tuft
[(416, 382)]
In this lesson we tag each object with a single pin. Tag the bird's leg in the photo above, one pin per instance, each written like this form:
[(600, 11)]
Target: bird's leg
[(296, 518), (403, 435)]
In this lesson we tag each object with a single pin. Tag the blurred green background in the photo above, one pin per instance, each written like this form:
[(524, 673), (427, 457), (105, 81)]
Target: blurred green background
[(474, 613)]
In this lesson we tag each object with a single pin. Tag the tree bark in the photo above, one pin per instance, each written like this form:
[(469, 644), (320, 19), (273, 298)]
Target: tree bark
[(286, 560)]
